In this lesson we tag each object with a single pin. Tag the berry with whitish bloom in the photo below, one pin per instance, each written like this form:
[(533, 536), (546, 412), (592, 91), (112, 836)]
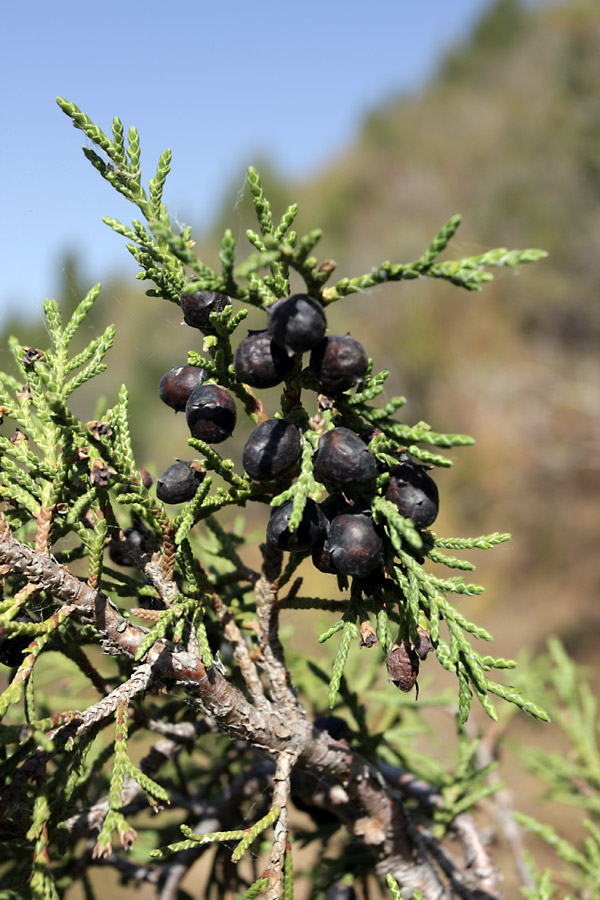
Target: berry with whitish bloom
[(272, 449), (312, 525), (197, 307), (179, 482), (414, 492), (354, 544), (343, 459), (178, 383), (261, 363), (339, 362), (211, 413), (297, 323)]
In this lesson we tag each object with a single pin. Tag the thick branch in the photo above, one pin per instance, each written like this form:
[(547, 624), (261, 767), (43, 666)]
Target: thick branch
[(382, 821), (483, 877), (281, 793), (218, 815), (268, 627), (240, 650)]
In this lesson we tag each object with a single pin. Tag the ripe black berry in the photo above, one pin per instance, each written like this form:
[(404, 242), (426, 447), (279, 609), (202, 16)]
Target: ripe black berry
[(354, 545), (297, 323), (414, 493), (179, 482), (339, 362), (321, 556), (343, 459), (177, 384), (210, 413), (311, 527), (335, 726), (261, 363), (137, 540), (197, 307), (272, 449), (11, 648)]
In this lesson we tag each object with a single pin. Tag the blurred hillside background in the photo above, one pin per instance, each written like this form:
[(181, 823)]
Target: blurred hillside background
[(506, 131)]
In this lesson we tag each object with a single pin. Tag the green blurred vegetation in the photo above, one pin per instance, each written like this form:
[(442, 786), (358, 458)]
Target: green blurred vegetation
[(506, 133)]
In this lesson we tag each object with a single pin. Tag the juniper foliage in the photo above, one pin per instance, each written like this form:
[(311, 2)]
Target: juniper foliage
[(195, 676)]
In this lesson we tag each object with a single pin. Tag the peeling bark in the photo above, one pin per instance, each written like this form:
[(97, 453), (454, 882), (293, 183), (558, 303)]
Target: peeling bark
[(277, 724)]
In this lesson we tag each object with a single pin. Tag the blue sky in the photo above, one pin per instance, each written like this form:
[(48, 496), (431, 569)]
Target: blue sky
[(221, 84)]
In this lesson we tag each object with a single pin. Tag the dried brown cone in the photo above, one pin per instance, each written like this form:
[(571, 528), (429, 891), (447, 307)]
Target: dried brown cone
[(403, 665)]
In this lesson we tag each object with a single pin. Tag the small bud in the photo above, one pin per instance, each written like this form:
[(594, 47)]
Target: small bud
[(327, 266), (100, 429), (368, 636), (423, 644), (100, 473), (146, 478), (31, 355), (101, 850), (325, 403), (128, 838), (18, 437)]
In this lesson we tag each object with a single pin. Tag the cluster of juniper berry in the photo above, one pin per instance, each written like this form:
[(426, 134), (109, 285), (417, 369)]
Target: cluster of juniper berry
[(340, 531)]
